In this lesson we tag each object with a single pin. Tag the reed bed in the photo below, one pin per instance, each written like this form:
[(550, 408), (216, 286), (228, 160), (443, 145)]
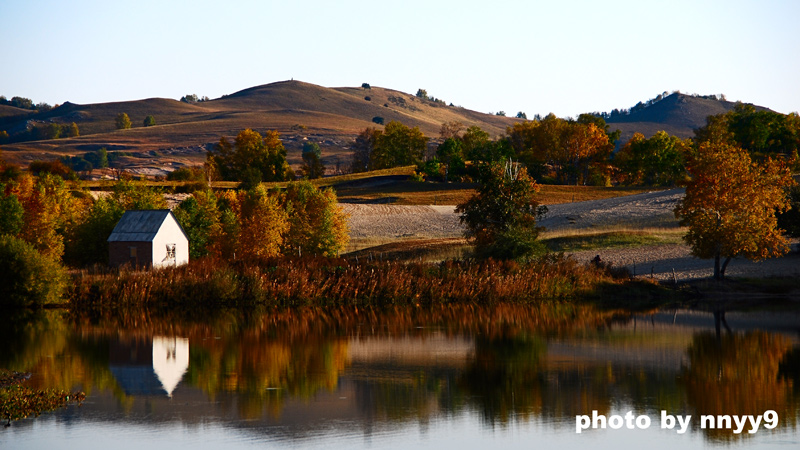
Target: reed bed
[(325, 282)]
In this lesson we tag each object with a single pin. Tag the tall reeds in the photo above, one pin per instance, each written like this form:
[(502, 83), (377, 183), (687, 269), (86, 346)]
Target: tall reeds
[(326, 281)]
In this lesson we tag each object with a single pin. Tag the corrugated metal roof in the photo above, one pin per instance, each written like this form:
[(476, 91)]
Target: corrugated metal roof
[(138, 226)]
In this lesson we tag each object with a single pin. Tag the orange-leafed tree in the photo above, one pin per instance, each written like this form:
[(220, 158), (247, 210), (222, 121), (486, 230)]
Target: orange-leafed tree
[(730, 205), (583, 147), (252, 225)]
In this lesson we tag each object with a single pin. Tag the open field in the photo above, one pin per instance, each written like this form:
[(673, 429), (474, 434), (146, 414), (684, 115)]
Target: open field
[(637, 231)]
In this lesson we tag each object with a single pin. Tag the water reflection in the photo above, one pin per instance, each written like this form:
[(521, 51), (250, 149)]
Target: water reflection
[(312, 372), (149, 366)]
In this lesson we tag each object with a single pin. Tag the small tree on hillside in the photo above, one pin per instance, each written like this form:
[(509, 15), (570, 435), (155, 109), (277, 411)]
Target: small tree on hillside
[(149, 121), (730, 206), (122, 121)]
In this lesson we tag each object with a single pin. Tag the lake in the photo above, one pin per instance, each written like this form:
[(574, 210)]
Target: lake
[(461, 377)]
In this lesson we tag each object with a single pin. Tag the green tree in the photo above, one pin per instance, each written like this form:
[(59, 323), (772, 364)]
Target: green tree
[(27, 277), (199, 216), (761, 133), (149, 121), (501, 217), (122, 121), (398, 145), (11, 213), (87, 239), (362, 148), (73, 130), (790, 220), (312, 161), (656, 161), (730, 205), (451, 155)]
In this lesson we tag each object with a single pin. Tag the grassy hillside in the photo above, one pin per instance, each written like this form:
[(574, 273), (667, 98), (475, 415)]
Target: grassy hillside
[(299, 111)]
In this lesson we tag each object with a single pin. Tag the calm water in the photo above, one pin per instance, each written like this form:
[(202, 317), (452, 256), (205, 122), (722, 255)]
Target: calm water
[(455, 377)]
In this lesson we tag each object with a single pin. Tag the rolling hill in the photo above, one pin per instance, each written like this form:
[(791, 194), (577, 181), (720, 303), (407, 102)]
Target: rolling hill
[(299, 111)]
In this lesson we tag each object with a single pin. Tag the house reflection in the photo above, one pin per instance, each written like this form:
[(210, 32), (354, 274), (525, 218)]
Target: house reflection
[(149, 367)]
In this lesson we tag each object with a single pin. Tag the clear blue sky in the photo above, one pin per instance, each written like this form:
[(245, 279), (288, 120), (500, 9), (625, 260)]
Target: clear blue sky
[(560, 56)]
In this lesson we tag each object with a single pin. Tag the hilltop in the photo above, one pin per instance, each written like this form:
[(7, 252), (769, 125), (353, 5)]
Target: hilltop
[(299, 111), (677, 114)]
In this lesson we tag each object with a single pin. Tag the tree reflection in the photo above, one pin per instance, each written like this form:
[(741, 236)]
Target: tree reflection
[(505, 377), (737, 374)]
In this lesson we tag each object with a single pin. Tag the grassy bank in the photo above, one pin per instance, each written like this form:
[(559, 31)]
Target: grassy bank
[(308, 281)]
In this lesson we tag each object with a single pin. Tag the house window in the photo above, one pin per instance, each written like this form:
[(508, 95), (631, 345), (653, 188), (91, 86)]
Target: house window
[(133, 252), (171, 251)]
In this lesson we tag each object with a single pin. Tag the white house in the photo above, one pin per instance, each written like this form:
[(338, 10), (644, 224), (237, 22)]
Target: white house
[(148, 238)]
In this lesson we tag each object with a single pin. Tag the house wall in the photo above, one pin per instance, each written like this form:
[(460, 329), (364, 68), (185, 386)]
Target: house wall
[(170, 233), (119, 253)]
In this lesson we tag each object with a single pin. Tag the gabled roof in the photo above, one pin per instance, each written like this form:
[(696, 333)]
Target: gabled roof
[(141, 226)]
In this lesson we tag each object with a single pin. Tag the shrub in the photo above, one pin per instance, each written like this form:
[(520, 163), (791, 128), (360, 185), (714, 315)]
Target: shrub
[(122, 121), (28, 278), (378, 120), (149, 121)]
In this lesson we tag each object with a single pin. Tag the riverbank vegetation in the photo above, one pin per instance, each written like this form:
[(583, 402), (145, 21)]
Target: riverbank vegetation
[(332, 281), (18, 401)]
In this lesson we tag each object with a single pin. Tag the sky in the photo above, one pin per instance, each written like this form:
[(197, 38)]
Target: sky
[(561, 56)]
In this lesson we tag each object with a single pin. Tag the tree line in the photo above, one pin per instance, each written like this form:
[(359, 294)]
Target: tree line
[(47, 224)]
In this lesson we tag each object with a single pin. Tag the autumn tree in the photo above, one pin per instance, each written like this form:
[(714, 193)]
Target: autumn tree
[(581, 148), (149, 121), (263, 223), (317, 224), (50, 211), (570, 150), (312, 161), (251, 158), (501, 217), (122, 121), (730, 205)]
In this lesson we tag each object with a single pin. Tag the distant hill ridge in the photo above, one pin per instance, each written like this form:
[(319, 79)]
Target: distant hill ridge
[(300, 111)]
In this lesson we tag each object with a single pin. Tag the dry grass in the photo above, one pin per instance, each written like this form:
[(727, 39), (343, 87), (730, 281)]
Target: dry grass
[(433, 193), (318, 281), (573, 241)]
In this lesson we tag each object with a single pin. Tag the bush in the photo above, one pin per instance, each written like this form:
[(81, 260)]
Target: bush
[(28, 278), (122, 121), (378, 120)]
